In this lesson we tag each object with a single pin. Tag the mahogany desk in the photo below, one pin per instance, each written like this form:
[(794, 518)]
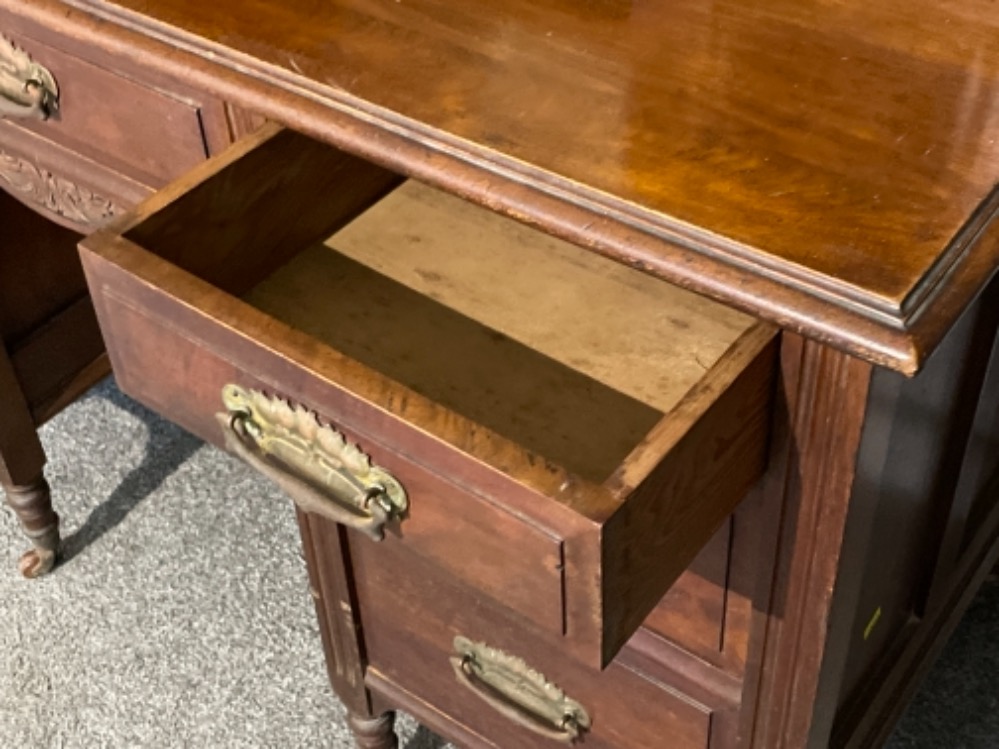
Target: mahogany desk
[(827, 170)]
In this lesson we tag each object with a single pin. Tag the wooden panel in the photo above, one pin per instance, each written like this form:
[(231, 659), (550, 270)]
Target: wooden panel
[(972, 502), (56, 354), (40, 272), (233, 220), (917, 433), (976, 502), (921, 469), (862, 227), (644, 338), (473, 370), (869, 727)]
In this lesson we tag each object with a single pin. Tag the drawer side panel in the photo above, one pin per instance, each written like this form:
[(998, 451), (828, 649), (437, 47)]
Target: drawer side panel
[(662, 527)]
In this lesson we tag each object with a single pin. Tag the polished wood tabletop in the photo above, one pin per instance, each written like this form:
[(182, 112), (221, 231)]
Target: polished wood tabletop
[(826, 164)]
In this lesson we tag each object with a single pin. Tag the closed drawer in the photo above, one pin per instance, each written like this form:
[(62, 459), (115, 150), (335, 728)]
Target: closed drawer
[(510, 695), (144, 131), (118, 130), (568, 432)]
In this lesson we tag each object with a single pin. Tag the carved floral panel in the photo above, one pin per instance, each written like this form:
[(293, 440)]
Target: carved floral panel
[(54, 193)]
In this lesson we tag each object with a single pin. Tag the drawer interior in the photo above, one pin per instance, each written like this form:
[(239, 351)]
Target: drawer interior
[(571, 355), (609, 419)]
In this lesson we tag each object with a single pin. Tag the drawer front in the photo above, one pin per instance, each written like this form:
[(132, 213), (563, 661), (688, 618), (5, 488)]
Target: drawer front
[(411, 619), (144, 132), (117, 132), (583, 558), (467, 536)]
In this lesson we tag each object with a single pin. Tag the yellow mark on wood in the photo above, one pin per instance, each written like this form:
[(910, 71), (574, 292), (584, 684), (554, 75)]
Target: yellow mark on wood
[(872, 623)]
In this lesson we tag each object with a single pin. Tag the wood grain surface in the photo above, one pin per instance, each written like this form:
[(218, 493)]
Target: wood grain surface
[(827, 165), (528, 349)]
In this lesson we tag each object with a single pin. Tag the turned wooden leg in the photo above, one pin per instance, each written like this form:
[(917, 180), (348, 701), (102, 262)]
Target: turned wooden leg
[(22, 477), (374, 733), (32, 504)]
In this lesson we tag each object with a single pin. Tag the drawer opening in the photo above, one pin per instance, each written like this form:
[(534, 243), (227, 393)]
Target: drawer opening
[(537, 396), (552, 347), (569, 354)]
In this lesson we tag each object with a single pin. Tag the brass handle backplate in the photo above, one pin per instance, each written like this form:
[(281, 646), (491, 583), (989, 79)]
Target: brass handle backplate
[(27, 89), (512, 688), (313, 463)]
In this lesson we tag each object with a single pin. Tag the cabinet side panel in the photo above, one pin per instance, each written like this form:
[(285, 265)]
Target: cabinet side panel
[(921, 472)]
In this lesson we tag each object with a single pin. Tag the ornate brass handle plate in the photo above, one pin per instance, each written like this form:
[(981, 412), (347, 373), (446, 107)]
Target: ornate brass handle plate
[(511, 687), (313, 463), (27, 89)]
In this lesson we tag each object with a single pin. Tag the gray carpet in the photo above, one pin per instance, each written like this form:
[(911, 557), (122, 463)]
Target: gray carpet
[(181, 618)]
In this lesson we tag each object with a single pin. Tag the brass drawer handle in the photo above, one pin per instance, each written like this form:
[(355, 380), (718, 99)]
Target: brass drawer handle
[(512, 688), (27, 90), (313, 463)]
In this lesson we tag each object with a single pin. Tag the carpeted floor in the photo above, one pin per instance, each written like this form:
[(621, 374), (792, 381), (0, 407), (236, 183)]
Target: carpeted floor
[(180, 616)]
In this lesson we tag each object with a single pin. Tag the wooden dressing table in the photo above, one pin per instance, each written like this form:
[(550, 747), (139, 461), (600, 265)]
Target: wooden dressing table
[(758, 530)]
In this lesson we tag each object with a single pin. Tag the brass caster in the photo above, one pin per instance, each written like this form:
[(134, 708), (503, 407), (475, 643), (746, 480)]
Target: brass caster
[(373, 733), (33, 506), (36, 562)]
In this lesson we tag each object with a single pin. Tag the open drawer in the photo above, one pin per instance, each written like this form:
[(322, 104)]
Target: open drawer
[(559, 431)]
